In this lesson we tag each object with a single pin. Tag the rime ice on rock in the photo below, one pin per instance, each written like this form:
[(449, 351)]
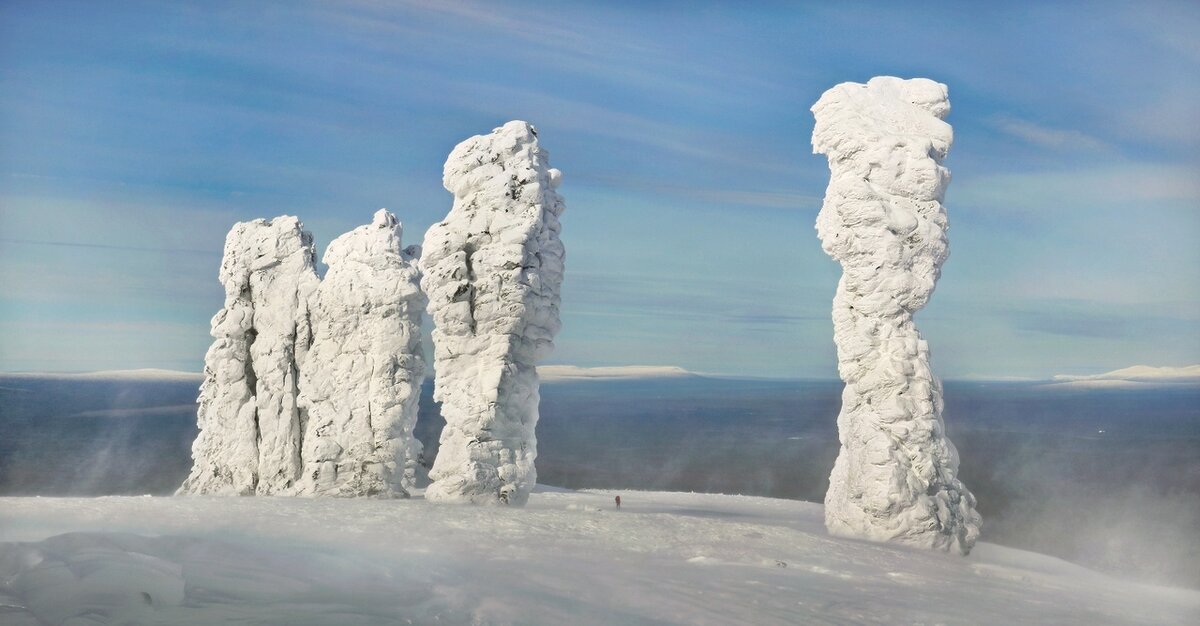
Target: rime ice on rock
[(249, 439), (361, 381), (882, 219), (492, 272)]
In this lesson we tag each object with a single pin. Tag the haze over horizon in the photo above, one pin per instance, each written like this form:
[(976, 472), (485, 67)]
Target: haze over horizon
[(134, 134)]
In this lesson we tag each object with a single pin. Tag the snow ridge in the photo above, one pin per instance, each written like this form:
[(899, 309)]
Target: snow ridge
[(492, 272), (882, 219)]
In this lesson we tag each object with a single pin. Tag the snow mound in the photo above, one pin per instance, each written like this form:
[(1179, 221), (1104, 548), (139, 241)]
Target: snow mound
[(566, 558), (895, 478), (493, 271)]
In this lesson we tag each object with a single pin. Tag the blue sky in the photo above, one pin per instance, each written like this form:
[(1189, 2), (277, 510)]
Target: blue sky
[(133, 134)]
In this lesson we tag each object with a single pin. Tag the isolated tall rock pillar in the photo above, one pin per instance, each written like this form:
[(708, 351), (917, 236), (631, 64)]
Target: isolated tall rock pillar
[(361, 381), (249, 440), (492, 271), (883, 220)]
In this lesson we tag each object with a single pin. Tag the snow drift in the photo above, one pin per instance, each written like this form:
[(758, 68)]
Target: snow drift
[(883, 220), (567, 558), (492, 271)]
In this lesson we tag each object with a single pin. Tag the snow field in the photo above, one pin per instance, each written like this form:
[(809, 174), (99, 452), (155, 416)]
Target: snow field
[(568, 557)]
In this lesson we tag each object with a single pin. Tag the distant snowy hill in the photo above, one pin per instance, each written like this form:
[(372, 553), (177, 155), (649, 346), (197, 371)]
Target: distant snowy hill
[(1136, 376), (145, 374), (552, 373), (568, 558)]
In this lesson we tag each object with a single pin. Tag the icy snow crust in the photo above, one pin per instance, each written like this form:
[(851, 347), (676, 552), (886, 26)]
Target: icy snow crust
[(360, 384), (883, 220), (311, 386), (492, 272), (566, 558), (249, 439)]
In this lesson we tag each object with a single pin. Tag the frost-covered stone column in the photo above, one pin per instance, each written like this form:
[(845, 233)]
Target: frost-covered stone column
[(883, 220), (249, 439), (492, 271), (361, 381)]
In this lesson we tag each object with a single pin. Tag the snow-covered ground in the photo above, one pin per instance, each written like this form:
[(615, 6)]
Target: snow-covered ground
[(567, 558)]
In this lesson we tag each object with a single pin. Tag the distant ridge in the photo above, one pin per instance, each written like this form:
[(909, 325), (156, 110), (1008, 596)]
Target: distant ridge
[(1137, 376), (1130, 377), (548, 373), (146, 374), (555, 373)]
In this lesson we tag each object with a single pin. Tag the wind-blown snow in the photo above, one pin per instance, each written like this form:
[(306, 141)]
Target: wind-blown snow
[(566, 558), (882, 219), (361, 381), (1133, 377), (492, 272), (249, 439)]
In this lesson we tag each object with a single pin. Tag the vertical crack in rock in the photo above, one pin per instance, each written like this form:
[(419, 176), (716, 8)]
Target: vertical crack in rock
[(883, 220), (361, 380), (492, 271), (249, 439)]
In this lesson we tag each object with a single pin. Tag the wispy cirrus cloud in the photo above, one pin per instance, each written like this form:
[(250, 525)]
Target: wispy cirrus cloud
[(762, 198), (1126, 185), (683, 143), (1170, 119), (551, 38), (1047, 137), (1097, 320), (101, 246), (141, 130)]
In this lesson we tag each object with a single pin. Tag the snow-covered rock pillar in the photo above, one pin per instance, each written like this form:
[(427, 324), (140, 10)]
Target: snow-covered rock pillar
[(883, 220), (249, 439), (361, 381), (492, 271)]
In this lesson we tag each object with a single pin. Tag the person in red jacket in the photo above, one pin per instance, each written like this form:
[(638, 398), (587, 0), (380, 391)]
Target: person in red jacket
[(618, 499)]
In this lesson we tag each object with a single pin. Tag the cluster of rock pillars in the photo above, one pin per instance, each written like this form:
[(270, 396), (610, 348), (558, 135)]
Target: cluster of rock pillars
[(311, 385)]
